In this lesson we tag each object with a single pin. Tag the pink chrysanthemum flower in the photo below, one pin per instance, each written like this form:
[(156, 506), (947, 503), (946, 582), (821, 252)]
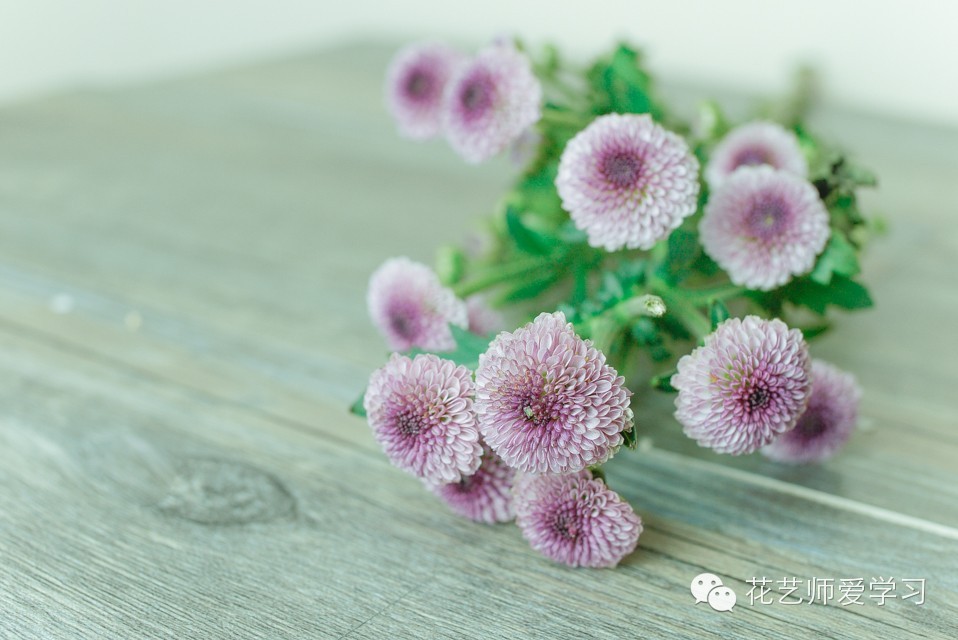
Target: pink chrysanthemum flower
[(415, 83), (421, 412), (411, 308), (575, 519), (746, 385), (483, 319), (547, 401), (627, 182), (752, 144), (764, 226), (827, 423), (486, 495), (490, 102)]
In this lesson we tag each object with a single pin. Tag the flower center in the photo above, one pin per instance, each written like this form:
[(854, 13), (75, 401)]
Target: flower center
[(403, 325), (476, 96), (757, 398), (810, 425), (419, 85), (566, 525), (767, 217), (751, 157), (466, 484), (541, 410), (622, 169), (409, 423)]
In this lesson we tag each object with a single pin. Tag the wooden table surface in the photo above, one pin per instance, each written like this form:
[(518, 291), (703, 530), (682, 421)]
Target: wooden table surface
[(182, 324)]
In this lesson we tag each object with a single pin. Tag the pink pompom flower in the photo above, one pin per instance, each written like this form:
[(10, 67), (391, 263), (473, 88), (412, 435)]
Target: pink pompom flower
[(415, 83), (411, 308), (490, 102), (827, 423), (752, 144), (764, 226), (747, 384), (547, 401), (575, 519), (421, 412), (486, 495), (627, 182)]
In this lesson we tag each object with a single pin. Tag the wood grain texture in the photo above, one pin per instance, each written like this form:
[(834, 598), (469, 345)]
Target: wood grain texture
[(182, 323)]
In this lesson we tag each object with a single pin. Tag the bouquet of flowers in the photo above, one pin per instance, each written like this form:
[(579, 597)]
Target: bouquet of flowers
[(696, 256)]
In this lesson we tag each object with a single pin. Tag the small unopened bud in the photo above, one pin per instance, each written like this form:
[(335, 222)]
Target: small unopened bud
[(647, 305), (450, 263)]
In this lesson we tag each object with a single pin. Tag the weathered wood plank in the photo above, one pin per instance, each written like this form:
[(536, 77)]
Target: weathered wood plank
[(156, 511), (182, 281)]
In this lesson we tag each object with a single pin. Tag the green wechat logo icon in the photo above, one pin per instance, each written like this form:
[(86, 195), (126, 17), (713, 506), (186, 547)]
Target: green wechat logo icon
[(708, 587)]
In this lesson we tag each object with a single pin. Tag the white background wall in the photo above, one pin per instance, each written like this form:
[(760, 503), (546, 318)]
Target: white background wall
[(893, 56)]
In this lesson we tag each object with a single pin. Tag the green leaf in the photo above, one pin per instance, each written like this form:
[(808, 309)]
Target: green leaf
[(450, 264), (629, 439), (645, 332), (858, 175), (843, 205), (683, 250), (532, 289), (611, 288), (711, 121), (705, 265), (570, 234), (841, 292), (468, 342), (468, 348), (580, 287), (811, 333), (664, 382), (536, 192), (839, 257), (357, 407), (623, 86), (631, 272), (718, 313), (527, 240), (659, 353), (598, 473)]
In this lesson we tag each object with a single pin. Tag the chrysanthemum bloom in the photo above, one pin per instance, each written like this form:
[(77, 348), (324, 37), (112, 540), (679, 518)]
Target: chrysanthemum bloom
[(421, 412), (486, 495), (575, 519), (547, 401), (756, 143), (490, 102), (411, 308), (764, 226), (415, 83), (746, 385), (627, 182), (483, 319), (827, 423)]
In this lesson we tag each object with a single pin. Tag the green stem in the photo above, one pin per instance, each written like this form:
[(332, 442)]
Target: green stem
[(704, 296), (628, 310), (683, 308), (565, 118), (688, 315), (574, 96), (499, 274)]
